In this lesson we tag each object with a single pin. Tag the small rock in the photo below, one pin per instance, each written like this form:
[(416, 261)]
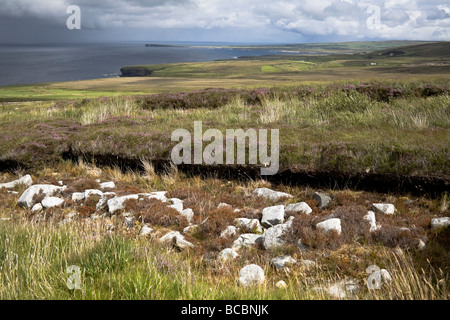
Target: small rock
[(50, 202), (300, 207), (169, 237), (26, 199), (272, 216), (223, 205), (329, 225), (385, 208), (188, 213), (440, 222), (190, 229), (145, 230), (181, 243), (246, 240), (342, 288), (248, 225), (116, 203), (78, 196), (108, 185), (323, 199), (385, 276), (25, 180), (370, 216), (227, 254), (37, 208), (282, 261), (421, 245), (176, 204), (251, 275), (307, 264), (281, 284), (129, 222), (273, 237), (271, 194), (229, 232), (91, 192)]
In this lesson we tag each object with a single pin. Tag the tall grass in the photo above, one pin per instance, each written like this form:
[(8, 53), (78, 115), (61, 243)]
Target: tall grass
[(101, 109)]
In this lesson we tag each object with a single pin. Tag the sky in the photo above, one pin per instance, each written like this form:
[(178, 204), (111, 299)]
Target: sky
[(233, 21)]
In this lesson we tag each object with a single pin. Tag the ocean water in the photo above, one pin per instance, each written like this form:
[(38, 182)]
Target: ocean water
[(50, 63)]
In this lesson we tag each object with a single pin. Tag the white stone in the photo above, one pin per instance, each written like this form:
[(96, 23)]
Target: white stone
[(273, 237), (176, 204), (343, 288), (272, 216), (385, 208), (329, 225), (50, 202), (246, 240), (129, 222), (227, 254), (307, 263), (77, 196), (300, 207), (26, 199), (116, 203), (440, 222), (282, 261), (107, 185), (251, 275), (323, 199), (91, 192), (385, 276), (170, 236), (229, 232), (188, 214), (370, 216), (158, 195), (37, 207), (25, 180), (181, 243), (270, 194), (248, 225), (190, 229), (223, 205), (145, 230), (281, 284)]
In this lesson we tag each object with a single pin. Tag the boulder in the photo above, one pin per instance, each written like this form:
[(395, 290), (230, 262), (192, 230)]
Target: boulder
[(282, 261), (107, 185), (300, 207), (188, 213), (25, 180), (227, 254), (116, 203), (329, 225), (385, 208), (323, 199), (271, 194), (50, 202), (248, 225), (78, 196), (246, 240), (273, 237), (26, 199), (229, 232), (440, 222), (251, 275), (272, 216)]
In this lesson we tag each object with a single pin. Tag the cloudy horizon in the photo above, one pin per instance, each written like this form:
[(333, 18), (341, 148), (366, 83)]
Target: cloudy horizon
[(262, 21)]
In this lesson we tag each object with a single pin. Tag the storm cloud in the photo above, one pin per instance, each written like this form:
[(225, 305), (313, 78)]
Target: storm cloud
[(230, 20)]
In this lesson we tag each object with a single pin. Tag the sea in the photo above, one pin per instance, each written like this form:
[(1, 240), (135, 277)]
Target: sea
[(31, 64)]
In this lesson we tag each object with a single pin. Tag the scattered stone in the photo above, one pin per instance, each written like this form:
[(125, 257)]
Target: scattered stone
[(282, 261), (176, 204), (26, 199), (246, 240), (251, 275), (78, 196), (169, 237), (188, 213), (158, 195), (301, 246), (91, 192), (329, 225), (50, 202), (248, 225), (116, 203), (281, 284), (12, 192), (300, 207), (370, 216), (271, 194), (25, 180), (385, 276), (108, 185), (181, 243), (223, 205), (440, 222), (307, 264), (145, 230), (229, 232), (272, 216), (37, 208), (273, 237), (60, 182), (421, 245), (227, 254), (343, 288), (190, 229), (323, 199), (385, 208)]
